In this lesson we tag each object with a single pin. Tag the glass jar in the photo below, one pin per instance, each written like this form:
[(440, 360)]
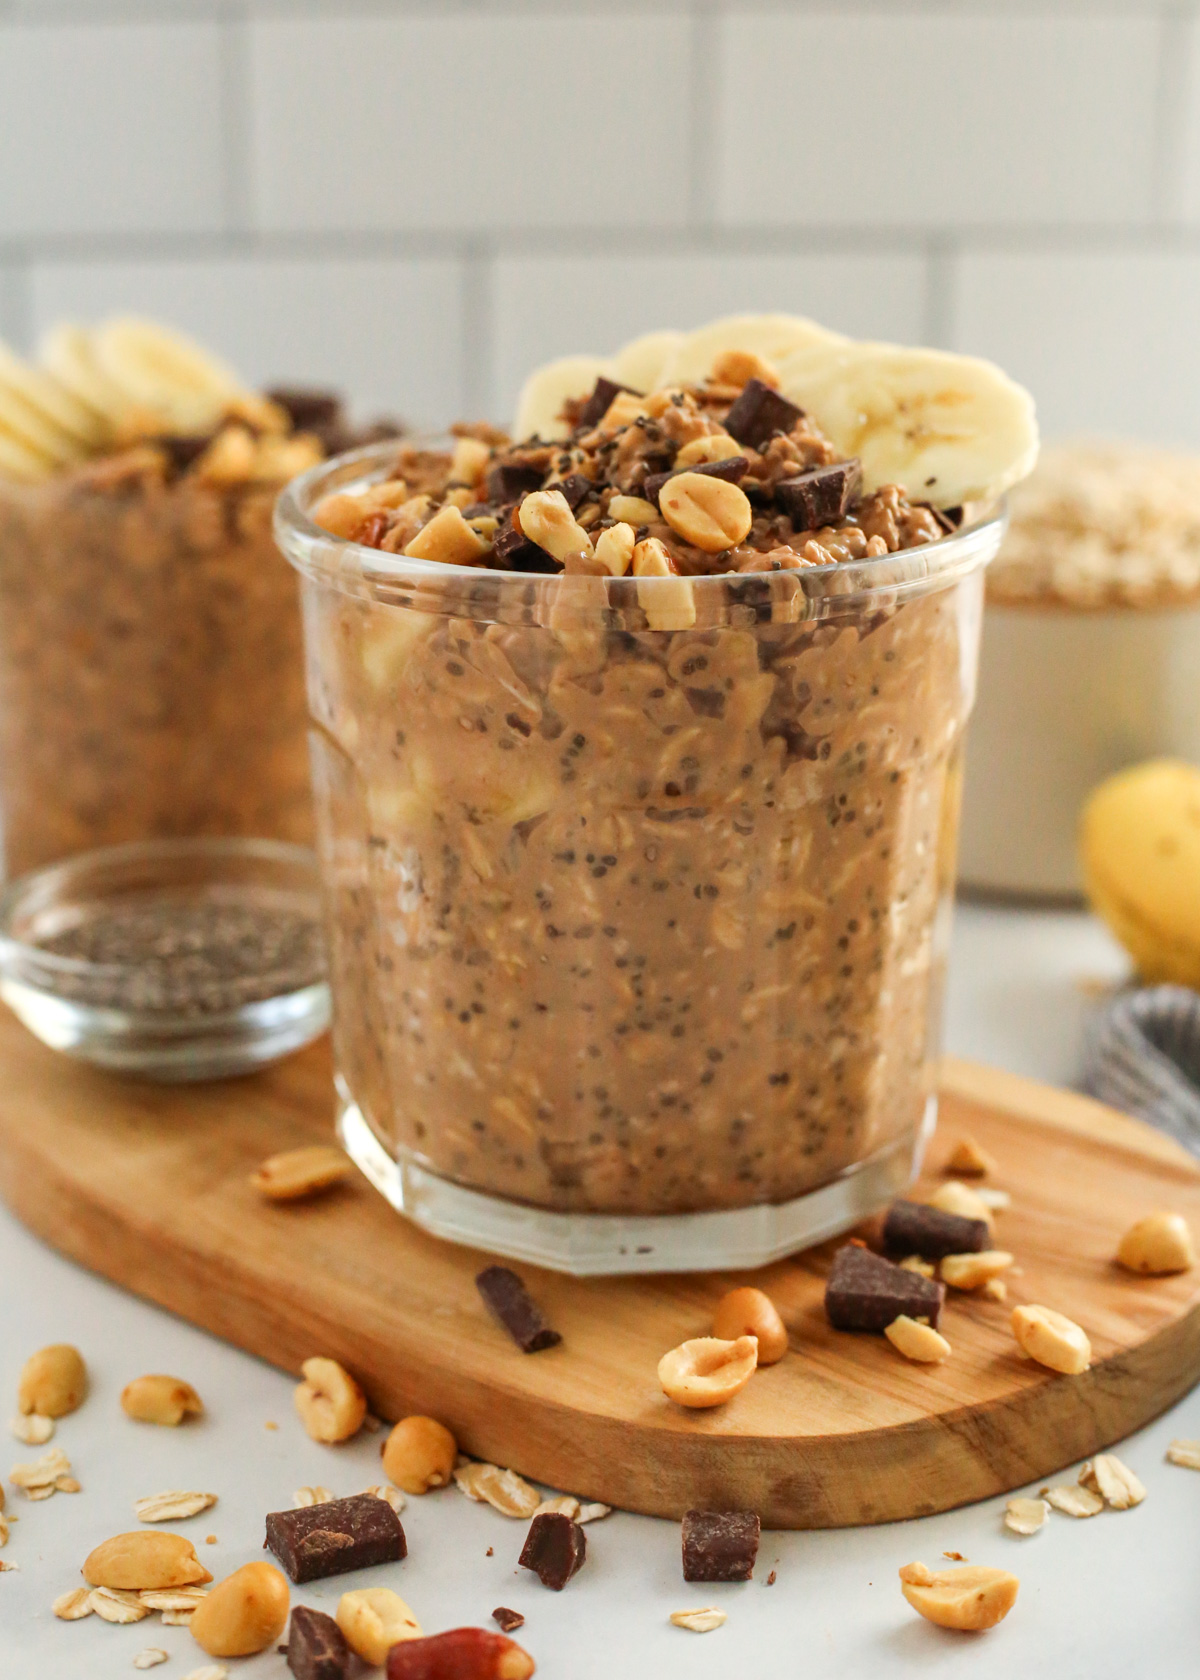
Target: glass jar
[(151, 664), (638, 889)]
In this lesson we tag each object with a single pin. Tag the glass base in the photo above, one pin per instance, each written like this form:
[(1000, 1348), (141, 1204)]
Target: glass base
[(601, 1245)]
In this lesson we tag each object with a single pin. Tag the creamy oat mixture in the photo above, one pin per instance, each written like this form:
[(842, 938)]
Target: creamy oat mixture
[(636, 905)]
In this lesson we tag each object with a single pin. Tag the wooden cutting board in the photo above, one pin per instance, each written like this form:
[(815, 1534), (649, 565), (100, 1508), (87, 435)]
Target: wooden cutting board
[(148, 1185)]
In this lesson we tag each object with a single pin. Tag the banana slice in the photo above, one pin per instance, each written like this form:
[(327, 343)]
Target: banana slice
[(40, 391), (33, 430), (948, 428), (165, 373), (539, 407), (19, 460), (640, 362), (771, 336), (67, 353)]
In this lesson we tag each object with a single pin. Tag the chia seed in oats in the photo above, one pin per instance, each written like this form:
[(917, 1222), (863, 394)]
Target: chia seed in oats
[(198, 956)]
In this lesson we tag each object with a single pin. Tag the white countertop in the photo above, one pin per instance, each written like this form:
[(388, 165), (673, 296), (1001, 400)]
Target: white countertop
[(1113, 1596)]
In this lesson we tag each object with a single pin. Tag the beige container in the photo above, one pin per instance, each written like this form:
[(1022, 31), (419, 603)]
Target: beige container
[(1066, 697)]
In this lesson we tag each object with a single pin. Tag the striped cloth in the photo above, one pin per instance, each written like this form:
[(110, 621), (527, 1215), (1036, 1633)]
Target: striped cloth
[(1142, 1055)]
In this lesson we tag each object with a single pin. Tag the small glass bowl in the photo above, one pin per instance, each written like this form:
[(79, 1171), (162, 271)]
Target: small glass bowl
[(173, 959)]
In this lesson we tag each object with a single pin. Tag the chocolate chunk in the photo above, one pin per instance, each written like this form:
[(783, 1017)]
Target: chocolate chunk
[(309, 410), (598, 404), (731, 469), (821, 496), (508, 481), (574, 488), (948, 518), (512, 548), (720, 1545), (555, 1549), (913, 1228), (316, 1647), (330, 1539), (866, 1292), (516, 1309), (759, 413), (508, 1620), (182, 451)]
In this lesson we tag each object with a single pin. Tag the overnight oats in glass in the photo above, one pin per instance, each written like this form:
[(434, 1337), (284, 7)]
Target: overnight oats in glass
[(637, 753), (151, 661)]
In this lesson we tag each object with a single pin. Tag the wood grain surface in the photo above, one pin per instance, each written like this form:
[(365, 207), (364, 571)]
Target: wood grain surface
[(148, 1185)]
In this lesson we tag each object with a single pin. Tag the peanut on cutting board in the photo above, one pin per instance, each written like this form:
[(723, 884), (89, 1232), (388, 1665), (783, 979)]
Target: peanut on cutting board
[(707, 1371), (244, 1613), (1053, 1339), (419, 1454), (160, 1399), (331, 1404), (749, 1312), (301, 1172), (53, 1382), (916, 1341), (1157, 1246)]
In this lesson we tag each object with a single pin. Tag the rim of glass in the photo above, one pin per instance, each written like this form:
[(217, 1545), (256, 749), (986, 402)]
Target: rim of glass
[(52, 883), (356, 569)]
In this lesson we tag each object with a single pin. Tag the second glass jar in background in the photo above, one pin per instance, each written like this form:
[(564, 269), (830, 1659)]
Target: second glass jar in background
[(151, 667), (638, 888)]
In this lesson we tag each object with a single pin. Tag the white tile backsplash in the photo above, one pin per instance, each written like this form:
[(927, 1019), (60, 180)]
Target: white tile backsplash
[(547, 306), (470, 122), (1189, 163), (1107, 342), (935, 120), (110, 128), (388, 332)]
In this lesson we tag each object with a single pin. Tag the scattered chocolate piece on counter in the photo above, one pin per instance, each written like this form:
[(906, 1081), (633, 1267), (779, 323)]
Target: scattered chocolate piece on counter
[(914, 1228), (466, 1653), (771, 1578), (555, 1549), (508, 481), (821, 496), (509, 1620), (491, 1552), (573, 489), (516, 1309), (731, 470), (600, 401), (342, 1534), (759, 413), (867, 1292), (316, 1647), (720, 1545)]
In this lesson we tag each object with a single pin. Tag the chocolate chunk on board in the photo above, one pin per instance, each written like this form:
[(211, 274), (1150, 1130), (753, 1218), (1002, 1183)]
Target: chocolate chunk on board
[(866, 1292), (600, 401), (730, 469), (319, 1540), (516, 1309), (507, 1620), (759, 413), (316, 1647), (821, 496), (555, 1549), (720, 1545), (913, 1228)]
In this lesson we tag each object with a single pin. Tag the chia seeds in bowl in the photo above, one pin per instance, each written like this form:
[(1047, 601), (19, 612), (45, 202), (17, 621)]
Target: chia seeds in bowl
[(176, 960)]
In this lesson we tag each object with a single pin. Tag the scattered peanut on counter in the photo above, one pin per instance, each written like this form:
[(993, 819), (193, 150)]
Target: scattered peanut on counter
[(331, 1404), (968, 1599), (420, 1454), (244, 1613), (160, 1399)]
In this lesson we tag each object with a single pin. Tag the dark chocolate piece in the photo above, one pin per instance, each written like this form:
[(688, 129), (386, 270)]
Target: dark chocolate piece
[(182, 451), (316, 1647), (508, 481), (948, 518), (913, 1228), (555, 1549), (516, 1309), (574, 488), (759, 413), (598, 404), (309, 410), (866, 1292), (731, 469), (508, 1620), (821, 496), (512, 548), (720, 1545), (330, 1539), (465, 1653)]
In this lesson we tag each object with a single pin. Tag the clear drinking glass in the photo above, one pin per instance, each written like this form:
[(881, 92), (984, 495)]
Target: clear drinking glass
[(638, 889), (151, 665)]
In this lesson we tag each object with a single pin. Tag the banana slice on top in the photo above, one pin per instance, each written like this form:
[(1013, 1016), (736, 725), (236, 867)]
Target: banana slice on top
[(947, 428), (42, 392), (773, 337), (164, 373), (67, 354), (639, 363), (540, 404)]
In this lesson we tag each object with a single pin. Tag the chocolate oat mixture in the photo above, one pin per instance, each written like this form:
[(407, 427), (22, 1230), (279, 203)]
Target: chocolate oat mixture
[(636, 876)]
